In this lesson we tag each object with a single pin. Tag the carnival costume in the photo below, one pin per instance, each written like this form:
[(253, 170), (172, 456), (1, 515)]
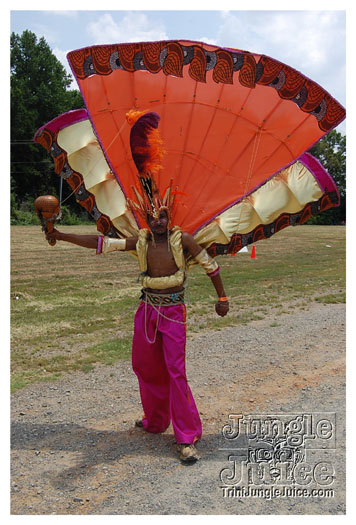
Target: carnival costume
[(236, 127)]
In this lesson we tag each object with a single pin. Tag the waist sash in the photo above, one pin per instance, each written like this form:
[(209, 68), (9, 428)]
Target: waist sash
[(162, 299)]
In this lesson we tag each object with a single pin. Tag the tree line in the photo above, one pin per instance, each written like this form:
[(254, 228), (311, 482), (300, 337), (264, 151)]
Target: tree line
[(40, 91)]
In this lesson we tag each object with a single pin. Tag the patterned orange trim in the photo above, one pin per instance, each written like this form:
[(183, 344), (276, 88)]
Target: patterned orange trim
[(172, 56), (48, 140), (264, 231)]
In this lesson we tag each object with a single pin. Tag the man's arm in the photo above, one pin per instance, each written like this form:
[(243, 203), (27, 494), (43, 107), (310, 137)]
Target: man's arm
[(87, 241), (196, 251)]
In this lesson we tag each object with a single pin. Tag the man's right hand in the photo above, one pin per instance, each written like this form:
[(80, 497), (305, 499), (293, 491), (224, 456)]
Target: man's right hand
[(53, 236)]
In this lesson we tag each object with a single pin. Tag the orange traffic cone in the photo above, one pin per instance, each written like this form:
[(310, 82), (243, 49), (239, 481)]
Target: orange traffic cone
[(253, 252)]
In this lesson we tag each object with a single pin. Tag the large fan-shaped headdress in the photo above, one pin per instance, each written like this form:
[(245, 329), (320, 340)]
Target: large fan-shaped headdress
[(235, 126)]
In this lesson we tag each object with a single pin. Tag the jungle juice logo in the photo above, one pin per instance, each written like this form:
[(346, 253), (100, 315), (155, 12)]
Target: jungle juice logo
[(287, 454)]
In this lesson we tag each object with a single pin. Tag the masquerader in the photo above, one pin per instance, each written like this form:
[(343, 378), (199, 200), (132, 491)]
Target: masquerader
[(237, 126), (158, 349)]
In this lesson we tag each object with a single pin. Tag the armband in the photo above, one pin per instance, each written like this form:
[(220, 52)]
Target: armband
[(208, 263), (108, 244)]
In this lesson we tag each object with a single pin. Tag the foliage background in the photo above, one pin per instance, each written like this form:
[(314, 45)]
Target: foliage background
[(39, 92)]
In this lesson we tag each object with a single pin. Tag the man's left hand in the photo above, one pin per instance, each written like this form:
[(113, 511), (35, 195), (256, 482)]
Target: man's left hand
[(221, 308)]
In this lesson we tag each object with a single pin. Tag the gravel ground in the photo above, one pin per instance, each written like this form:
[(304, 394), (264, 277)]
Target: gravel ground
[(75, 449)]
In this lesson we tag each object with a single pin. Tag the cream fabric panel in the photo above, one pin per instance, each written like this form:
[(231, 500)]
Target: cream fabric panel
[(211, 233), (91, 163), (272, 199), (86, 157), (76, 136), (241, 218), (111, 201), (302, 183), (287, 192)]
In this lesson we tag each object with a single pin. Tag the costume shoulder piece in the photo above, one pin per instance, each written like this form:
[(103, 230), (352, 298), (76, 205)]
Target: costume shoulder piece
[(175, 241), (141, 249)]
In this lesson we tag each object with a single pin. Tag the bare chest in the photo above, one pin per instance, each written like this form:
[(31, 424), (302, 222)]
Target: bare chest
[(160, 260)]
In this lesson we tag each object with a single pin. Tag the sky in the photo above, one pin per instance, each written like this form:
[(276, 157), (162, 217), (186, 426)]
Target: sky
[(311, 41)]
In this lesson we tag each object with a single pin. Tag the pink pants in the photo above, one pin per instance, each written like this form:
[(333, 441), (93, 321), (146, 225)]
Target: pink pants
[(160, 369)]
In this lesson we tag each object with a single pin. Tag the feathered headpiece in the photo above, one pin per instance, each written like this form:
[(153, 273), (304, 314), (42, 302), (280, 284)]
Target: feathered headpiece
[(147, 152)]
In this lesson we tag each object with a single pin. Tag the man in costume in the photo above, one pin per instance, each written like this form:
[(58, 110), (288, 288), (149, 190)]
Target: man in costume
[(158, 349)]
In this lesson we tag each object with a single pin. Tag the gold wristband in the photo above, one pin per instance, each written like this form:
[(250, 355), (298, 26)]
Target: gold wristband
[(112, 245)]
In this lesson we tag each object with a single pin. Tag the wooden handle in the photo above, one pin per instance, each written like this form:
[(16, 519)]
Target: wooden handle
[(49, 229)]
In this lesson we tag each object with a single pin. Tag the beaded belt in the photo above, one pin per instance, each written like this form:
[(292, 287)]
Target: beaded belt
[(162, 299)]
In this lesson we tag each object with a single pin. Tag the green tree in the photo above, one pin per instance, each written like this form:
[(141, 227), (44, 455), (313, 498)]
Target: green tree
[(39, 92), (331, 152)]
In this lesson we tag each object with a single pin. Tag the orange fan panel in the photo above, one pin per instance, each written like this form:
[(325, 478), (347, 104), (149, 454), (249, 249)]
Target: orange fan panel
[(222, 139)]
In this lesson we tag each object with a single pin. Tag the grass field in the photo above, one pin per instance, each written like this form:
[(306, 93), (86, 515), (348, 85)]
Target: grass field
[(71, 309)]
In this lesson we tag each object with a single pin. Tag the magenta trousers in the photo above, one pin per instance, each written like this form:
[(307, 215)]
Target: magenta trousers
[(160, 369)]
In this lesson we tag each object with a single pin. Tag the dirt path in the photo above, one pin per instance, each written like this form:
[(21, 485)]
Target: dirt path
[(75, 449)]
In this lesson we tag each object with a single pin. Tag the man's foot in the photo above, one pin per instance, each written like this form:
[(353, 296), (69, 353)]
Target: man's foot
[(187, 452), (139, 423)]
